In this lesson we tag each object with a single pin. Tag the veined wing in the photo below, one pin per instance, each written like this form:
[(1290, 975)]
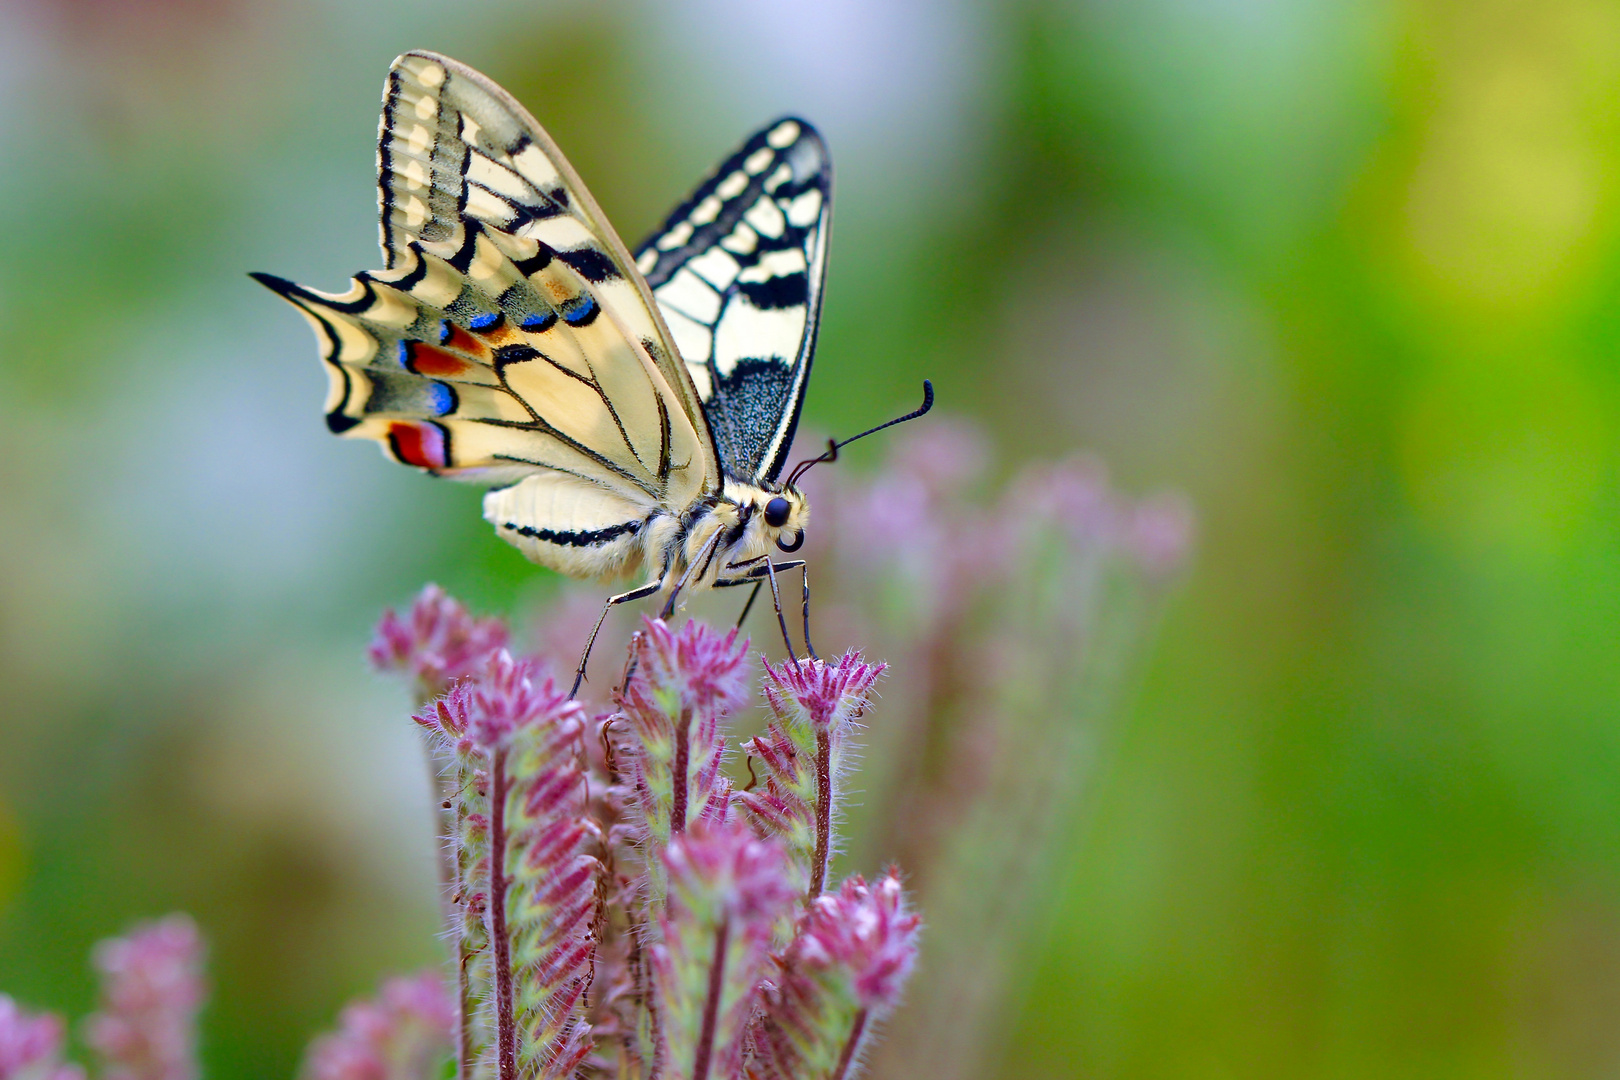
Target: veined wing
[(453, 147), (488, 356), (737, 271)]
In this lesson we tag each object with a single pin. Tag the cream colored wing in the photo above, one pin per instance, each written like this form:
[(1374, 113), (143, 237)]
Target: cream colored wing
[(453, 147), (485, 357)]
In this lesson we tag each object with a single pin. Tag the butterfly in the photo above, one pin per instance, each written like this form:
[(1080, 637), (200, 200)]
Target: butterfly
[(631, 414)]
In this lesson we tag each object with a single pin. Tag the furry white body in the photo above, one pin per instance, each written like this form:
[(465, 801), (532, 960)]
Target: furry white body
[(596, 533)]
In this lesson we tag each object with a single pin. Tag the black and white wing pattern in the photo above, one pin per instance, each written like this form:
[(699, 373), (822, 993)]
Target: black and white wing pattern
[(737, 272)]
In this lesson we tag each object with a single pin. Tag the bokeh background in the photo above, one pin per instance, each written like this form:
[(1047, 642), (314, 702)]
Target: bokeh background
[(1346, 273)]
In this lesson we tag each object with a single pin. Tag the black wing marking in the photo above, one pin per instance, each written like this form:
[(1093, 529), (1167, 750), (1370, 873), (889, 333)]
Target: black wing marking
[(737, 271)]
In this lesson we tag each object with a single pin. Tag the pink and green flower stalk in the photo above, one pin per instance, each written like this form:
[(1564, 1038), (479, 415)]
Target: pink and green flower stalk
[(31, 1045), (728, 889), (465, 810), (686, 683), (438, 642), (540, 881), (841, 977), (815, 708), (151, 990), (404, 1033)]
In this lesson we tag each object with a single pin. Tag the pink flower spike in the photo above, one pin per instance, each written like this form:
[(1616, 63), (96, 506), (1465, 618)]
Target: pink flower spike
[(868, 933), (728, 890), (438, 642), (842, 976), (403, 1034), (697, 667), (151, 989), (31, 1045), (814, 706)]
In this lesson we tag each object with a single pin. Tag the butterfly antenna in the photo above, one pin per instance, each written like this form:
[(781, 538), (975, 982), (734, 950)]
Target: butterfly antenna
[(833, 446)]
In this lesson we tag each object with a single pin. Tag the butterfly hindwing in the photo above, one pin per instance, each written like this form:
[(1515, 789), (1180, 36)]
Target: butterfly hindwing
[(737, 271), (454, 147), (482, 357)]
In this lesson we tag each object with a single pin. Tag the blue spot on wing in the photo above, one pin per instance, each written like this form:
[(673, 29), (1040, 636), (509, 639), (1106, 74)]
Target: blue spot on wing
[(581, 311), (441, 398)]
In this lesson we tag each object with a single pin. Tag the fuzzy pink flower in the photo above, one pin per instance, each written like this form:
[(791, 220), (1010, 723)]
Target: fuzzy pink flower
[(830, 694), (686, 683), (702, 669), (865, 932), (151, 989), (814, 706), (403, 1034), (728, 890), (448, 715), (526, 878), (842, 975), (438, 642), (513, 694), (31, 1045)]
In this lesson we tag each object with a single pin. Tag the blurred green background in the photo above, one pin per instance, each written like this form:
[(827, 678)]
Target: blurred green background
[(1346, 273)]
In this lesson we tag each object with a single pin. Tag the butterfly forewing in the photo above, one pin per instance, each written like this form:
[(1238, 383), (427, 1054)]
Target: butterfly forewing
[(737, 272), (455, 147)]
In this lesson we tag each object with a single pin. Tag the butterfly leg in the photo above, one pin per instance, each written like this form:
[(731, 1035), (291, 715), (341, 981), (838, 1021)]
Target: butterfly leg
[(590, 643), (766, 571), (749, 606), (804, 569), (698, 566)]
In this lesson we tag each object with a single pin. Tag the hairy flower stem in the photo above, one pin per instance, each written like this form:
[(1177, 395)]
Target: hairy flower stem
[(848, 1054), (818, 872), (711, 1004), (505, 1025), (683, 760), (464, 1027)]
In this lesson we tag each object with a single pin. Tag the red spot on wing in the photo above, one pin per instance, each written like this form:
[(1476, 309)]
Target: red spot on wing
[(460, 339), (427, 360), (422, 445)]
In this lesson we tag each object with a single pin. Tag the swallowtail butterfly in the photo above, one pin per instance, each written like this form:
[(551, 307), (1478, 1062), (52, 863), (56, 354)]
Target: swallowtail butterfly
[(632, 414)]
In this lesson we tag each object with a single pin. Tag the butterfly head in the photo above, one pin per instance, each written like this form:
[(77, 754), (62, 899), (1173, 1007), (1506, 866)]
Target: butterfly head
[(785, 515), (774, 513)]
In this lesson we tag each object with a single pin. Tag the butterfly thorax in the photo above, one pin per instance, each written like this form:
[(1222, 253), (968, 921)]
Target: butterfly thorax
[(730, 534)]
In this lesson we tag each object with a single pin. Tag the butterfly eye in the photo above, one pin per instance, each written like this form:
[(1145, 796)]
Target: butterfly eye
[(776, 512), (798, 542)]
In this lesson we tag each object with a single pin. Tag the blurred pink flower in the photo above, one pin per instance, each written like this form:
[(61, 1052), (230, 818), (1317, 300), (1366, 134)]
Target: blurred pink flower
[(403, 1034), (151, 990), (31, 1045), (438, 642)]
